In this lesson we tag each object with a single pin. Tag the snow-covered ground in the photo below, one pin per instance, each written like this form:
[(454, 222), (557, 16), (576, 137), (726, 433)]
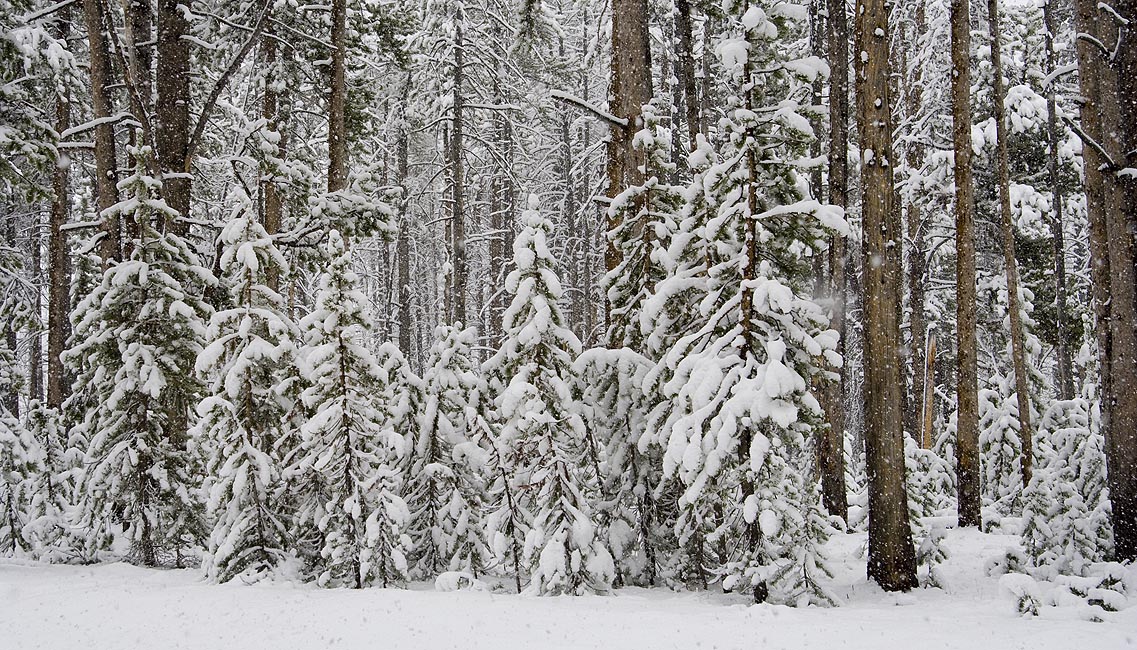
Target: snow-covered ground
[(117, 606)]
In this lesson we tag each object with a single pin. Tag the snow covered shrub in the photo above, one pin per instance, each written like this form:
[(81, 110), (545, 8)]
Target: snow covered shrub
[(349, 446), (543, 439), (737, 414), (446, 488), (1066, 524), (19, 457), (48, 527), (134, 343), (640, 526), (1024, 591), (249, 365), (1000, 446)]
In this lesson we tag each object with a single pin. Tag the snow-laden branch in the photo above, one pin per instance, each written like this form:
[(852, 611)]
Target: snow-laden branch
[(1059, 72), (47, 11), (87, 126), (595, 110), (223, 80)]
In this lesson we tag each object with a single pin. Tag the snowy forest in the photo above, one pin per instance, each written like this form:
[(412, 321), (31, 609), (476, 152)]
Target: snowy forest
[(568, 297)]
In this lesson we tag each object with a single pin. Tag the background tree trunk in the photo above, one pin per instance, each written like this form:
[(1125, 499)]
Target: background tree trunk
[(967, 381), (892, 558), (1018, 351), (106, 170), (833, 443), (337, 100), (1121, 438), (458, 272), (629, 90), (1065, 387), (58, 260), (172, 128)]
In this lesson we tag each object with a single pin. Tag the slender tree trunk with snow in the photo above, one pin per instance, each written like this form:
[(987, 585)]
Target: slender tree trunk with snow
[(833, 445), (172, 114), (106, 171), (1018, 351), (892, 557), (967, 382)]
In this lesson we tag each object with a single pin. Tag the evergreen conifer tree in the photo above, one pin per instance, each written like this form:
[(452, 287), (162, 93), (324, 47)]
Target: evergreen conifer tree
[(247, 364), (446, 490), (542, 438), (134, 343), (348, 442)]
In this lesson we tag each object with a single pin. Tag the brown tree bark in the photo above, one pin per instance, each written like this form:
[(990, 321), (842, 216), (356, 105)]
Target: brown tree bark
[(35, 348), (1062, 351), (1018, 350), (106, 170), (273, 209), (403, 241), (913, 80), (832, 456), (337, 100), (892, 557), (629, 89), (58, 261), (967, 381), (1120, 112), (172, 128), (686, 56), (458, 272)]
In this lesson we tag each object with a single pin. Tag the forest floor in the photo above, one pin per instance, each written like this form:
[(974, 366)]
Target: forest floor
[(118, 606)]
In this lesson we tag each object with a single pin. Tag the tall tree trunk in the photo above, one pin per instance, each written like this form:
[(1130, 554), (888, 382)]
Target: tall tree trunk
[(337, 100), (273, 210), (967, 381), (458, 271), (913, 80), (139, 33), (629, 89), (832, 454), (172, 128), (403, 243), (892, 558), (686, 55), (1062, 348), (1120, 17), (106, 170), (1018, 350), (58, 261), (35, 349)]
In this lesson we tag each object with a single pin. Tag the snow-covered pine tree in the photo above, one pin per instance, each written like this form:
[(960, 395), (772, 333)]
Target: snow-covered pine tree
[(18, 469), (248, 367), (639, 525), (349, 445), (1066, 524), (134, 343), (1000, 447), (48, 528), (542, 437), (737, 432), (645, 214), (446, 490)]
